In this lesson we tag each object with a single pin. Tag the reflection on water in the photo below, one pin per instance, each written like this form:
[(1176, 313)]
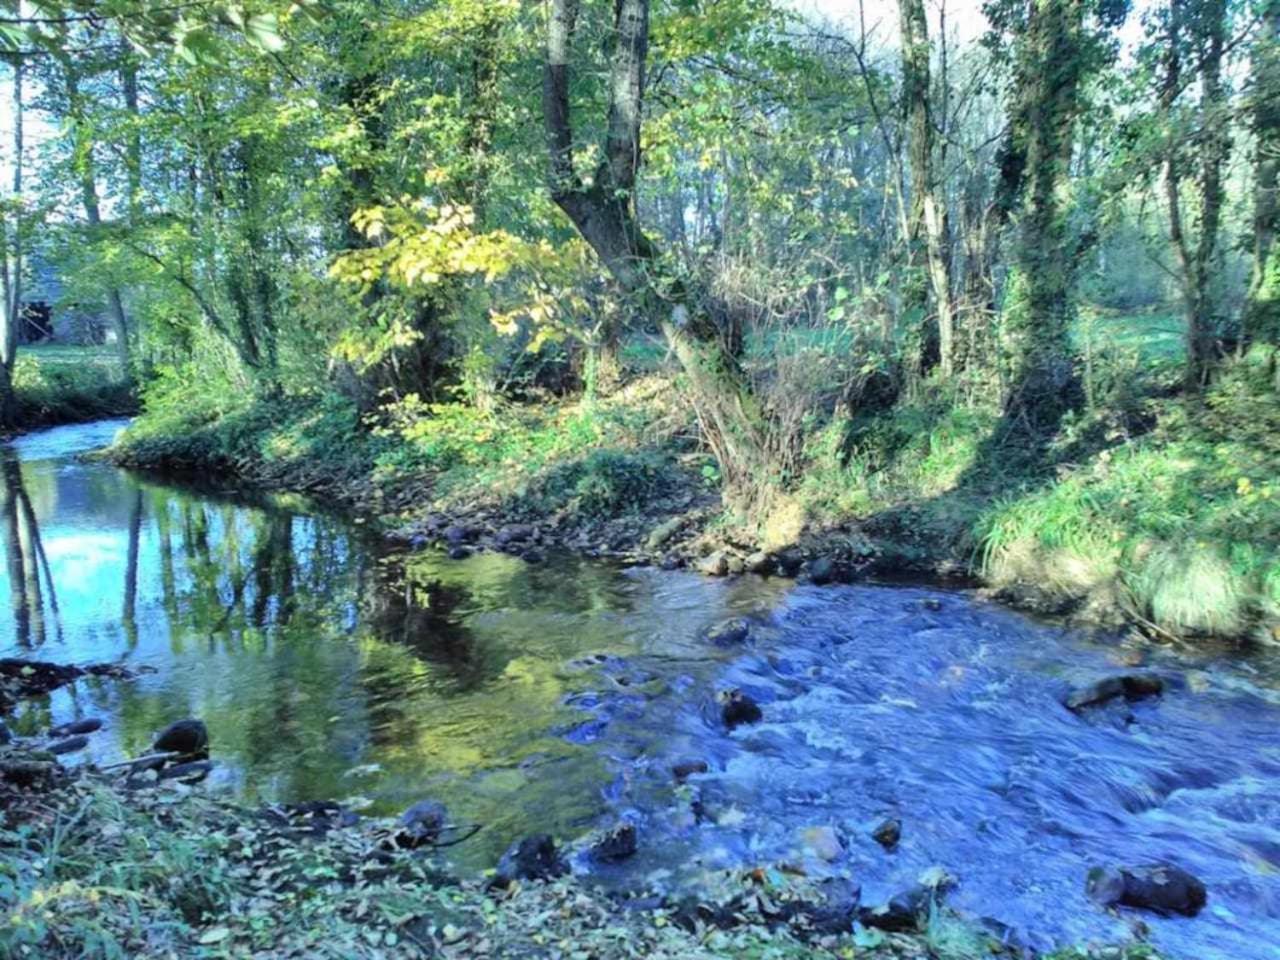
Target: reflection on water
[(323, 666), (327, 667)]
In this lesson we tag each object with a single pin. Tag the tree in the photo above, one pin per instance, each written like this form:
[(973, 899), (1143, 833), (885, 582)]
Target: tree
[(603, 211), (1055, 54), (926, 232), (13, 239), (1262, 306), (1196, 147)]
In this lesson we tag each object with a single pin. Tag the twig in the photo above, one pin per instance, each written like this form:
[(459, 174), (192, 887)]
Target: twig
[(149, 758)]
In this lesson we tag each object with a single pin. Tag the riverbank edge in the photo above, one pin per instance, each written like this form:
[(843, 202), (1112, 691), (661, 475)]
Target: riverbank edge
[(687, 530), (99, 866)]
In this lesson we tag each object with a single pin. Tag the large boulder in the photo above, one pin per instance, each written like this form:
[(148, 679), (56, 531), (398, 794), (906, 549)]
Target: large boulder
[(1162, 888), (1129, 687), (190, 738)]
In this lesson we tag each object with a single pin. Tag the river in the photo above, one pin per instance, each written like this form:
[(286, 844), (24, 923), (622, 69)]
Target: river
[(556, 697)]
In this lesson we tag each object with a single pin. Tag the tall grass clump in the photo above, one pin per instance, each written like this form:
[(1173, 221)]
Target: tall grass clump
[(1180, 526)]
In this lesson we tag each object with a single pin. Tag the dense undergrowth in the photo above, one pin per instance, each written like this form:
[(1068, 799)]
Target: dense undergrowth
[(1145, 506)]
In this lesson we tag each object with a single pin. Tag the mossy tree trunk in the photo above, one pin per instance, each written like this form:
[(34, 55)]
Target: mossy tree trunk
[(1262, 308), (926, 218), (1050, 67), (604, 214), (11, 314), (1197, 31)]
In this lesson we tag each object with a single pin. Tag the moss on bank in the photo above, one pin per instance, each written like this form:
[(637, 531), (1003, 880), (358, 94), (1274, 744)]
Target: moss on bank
[(1160, 512)]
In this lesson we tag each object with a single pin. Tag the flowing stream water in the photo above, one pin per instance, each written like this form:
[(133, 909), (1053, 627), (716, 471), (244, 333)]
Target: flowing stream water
[(556, 697)]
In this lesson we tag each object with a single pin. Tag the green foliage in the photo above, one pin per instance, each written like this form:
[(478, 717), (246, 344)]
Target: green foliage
[(605, 483), (56, 385), (1185, 520)]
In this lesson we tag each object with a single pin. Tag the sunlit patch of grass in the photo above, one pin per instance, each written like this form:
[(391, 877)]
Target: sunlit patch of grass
[(1185, 520)]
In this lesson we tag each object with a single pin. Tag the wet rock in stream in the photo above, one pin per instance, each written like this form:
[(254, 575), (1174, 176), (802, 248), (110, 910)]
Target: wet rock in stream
[(737, 708), (533, 858), (1129, 687), (888, 833), (1162, 888), (459, 553), (190, 738), (616, 844), (728, 633), (5, 736), (87, 725)]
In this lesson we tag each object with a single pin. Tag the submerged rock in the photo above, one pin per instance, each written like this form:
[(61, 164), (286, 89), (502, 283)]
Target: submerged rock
[(888, 833), (1162, 888), (533, 858), (618, 844), (421, 824), (87, 725), (729, 632), (1130, 687), (69, 745), (737, 708), (192, 772), (823, 842), (687, 768), (187, 737)]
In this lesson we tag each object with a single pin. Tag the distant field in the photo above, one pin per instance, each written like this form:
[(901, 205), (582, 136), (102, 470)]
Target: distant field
[(73, 360)]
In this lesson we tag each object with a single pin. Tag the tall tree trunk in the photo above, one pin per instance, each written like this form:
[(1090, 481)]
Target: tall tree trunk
[(1034, 166), (83, 159), (1262, 308), (926, 223), (12, 313), (604, 214), (1199, 256)]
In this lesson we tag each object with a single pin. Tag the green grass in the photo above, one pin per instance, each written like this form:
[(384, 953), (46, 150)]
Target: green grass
[(68, 384), (70, 359), (1181, 527)]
